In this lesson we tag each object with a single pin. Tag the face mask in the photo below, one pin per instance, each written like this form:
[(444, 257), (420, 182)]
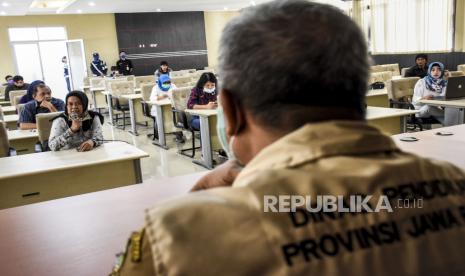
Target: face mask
[(10, 82), (209, 90), (123, 56), (221, 131), (166, 86)]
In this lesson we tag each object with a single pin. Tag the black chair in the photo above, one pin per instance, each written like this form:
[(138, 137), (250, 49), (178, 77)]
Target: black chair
[(146, 109)]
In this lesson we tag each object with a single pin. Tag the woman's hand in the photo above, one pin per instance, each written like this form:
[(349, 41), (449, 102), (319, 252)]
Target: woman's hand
[(221, 176), (429, 97), (212, 105), (86, 146), (446, 74), (76, 126)]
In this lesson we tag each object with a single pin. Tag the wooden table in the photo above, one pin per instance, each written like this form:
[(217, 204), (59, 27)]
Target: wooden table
[(44, 176), (135, 111), (447, 148), (377, 97), (209, 137), (79, 235), (11, 121), (23, 141), (9, 110), (164, 119), (453, 110), (389, 120)]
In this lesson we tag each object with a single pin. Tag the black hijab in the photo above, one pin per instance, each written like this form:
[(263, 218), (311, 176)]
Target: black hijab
[(86, 124)]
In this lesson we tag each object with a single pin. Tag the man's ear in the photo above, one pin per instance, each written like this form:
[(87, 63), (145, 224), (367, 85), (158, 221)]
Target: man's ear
[(233, 113)]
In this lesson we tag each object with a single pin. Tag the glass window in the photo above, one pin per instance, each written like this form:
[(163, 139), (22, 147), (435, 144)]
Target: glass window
[(22, 34), (52, 33), (402, 26)]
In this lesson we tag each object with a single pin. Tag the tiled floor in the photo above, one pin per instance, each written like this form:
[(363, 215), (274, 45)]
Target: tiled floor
[(161, 163)]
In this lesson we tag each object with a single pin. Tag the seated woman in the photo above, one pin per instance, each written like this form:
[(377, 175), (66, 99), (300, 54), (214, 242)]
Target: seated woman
[(433, 85), (77, 127), (203, 96)]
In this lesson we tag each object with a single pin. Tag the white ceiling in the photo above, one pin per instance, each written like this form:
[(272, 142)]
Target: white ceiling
[(23, 7)]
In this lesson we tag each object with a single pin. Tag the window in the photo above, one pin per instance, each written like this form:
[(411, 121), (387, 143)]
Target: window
[(400, 26), (35, 34)]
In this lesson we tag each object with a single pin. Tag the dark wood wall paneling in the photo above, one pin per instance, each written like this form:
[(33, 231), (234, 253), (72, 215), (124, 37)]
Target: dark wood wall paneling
[(171, 31), (450, 60)]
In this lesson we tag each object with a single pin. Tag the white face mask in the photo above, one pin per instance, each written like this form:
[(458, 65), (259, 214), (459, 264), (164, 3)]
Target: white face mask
[(209, 90)]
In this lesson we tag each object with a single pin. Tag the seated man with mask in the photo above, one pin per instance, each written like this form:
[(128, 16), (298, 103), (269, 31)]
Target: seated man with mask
[(303, 134), (43, 103)]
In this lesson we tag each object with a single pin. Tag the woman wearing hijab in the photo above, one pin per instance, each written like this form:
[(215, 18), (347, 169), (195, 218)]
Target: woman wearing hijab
[(30, 91), (433, 85), (203, 96), (77, 127), (163, 90)]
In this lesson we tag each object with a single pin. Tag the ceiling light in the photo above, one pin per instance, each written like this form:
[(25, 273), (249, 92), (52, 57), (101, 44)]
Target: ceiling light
[(79, 11), (5, 4), (158, 10), (252, 3), (2, 13), (225, 8), (91, 4)]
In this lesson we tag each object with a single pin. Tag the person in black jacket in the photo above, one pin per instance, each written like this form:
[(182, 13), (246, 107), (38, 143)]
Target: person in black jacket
[(421, 67), (124, 65), (98, 66)]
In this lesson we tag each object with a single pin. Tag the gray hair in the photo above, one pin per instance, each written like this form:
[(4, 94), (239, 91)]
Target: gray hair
[(286, 61)]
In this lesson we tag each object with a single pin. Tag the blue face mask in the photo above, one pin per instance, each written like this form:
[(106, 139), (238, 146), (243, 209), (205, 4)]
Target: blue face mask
[(10, 81), (221, 131), (165, 86)]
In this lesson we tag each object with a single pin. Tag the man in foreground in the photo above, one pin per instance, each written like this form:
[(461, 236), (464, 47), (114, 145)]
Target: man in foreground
[(292, 117)]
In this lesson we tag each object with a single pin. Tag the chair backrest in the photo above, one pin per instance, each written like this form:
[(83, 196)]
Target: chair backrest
[(130, 77), (97, 82), (182, 81), (122, 88), (44, 125), (16, 93), (401, 88), (139, 81), (180, 97), (19, 108), (86, 81), (394, 68), (2, 91), (146, 91), (108, 83), (15, 100), (4, 142), (403, 71), (461, 67), (180, 73), (456, 73), (198, 73), (380, 77)]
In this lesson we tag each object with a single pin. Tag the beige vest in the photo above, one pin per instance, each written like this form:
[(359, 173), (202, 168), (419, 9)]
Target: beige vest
[(225, 231)]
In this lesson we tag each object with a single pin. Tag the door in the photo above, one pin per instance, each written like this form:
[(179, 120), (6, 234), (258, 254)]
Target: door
[(76, 63), (51, 53)]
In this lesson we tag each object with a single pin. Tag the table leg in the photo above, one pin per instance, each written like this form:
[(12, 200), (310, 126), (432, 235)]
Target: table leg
[(110, 109), (95, 100), (207, 156), (133, 130), (403, 124), (137, 171), (160, 128)]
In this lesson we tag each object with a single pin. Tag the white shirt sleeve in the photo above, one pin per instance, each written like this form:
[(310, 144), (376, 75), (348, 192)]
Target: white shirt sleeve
[(419, 92)]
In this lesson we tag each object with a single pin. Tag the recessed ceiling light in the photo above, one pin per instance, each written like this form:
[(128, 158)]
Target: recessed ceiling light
[(91, 4), (225, 8), (2, 13), (158, 10), (252, 3), (5, 4), (79, 11)]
